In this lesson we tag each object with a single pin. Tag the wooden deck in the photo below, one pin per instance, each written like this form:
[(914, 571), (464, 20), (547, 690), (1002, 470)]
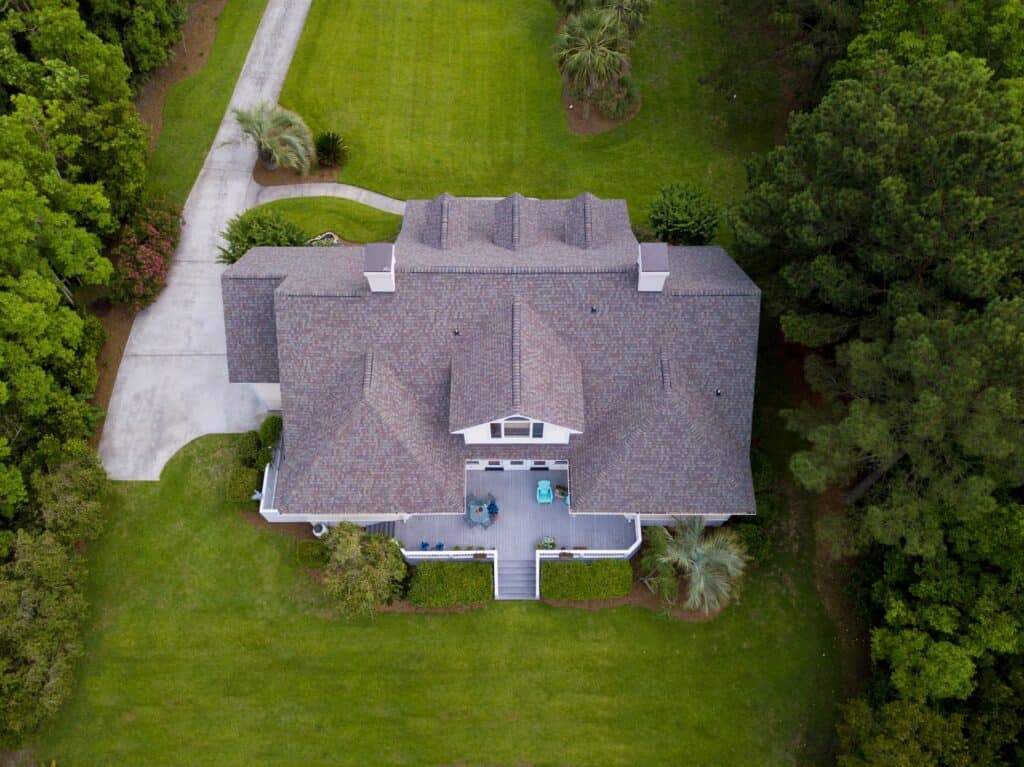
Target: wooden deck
[(521, 522)]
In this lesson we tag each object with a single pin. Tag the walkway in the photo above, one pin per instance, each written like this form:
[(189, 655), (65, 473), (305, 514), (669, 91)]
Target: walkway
[(172, 385)]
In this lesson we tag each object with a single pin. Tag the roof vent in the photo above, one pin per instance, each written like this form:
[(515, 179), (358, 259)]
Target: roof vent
[(379, 266), (652, 258)]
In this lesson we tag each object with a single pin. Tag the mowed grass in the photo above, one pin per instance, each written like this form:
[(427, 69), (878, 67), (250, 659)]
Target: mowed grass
[(351, 221), (209, 645), (463, 96), (194, 107)]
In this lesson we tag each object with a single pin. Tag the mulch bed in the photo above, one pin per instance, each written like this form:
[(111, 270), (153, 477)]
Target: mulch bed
[(117, 321), (298, 530), (639, 596), (187, 58), (594, 122), (284, 177)]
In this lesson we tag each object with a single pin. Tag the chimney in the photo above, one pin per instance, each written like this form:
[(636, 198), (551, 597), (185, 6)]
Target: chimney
[(653, 263), (379, 266)]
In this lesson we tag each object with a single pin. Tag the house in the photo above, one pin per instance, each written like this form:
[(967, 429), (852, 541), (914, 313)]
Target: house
[(498, 344)]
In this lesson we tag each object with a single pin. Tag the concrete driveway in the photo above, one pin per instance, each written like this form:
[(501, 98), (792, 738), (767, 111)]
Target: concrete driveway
[(172, 385)]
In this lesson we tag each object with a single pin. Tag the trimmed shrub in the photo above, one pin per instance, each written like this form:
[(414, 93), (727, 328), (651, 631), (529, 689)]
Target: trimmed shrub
[(248, 450), (331, 150), (142, 255), (683, 214), (242, 483), (258, 227), (618, 101), (312, 553), (446, 584), (579, 580), (270, 430)]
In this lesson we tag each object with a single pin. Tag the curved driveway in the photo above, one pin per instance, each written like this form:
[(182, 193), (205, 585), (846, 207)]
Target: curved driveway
[(172, 385)]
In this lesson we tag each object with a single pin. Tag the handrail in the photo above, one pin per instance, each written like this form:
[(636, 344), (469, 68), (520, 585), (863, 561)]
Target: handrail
[(540, 554)]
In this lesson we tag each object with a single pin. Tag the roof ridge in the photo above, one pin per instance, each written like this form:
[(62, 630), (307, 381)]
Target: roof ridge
[(517, 349)]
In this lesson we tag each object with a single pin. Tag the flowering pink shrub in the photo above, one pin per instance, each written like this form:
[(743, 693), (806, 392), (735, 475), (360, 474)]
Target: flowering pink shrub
[(142, 256)]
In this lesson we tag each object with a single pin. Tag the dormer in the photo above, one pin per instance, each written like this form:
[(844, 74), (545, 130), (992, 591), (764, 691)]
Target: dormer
[(514, 381)]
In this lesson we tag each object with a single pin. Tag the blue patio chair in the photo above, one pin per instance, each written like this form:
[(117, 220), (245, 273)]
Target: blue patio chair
[(439, 546), (424, 545), (544, 492), (492, 508)]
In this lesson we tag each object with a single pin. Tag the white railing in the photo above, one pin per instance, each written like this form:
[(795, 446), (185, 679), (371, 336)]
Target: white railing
[(482, 555), (542, 554), (269, 488)]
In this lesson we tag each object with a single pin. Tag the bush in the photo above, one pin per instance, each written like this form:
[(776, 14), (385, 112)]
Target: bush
[(363, 571), (763, 473), (445, 584), (248, 450), (682, 214), (69, 495), (270, 431), (331, 150), (579, 580), (258, 227), (281, 137), (756, 533), (41, 609), (312, 553), (142, 255), (242, 483), (618, 101)]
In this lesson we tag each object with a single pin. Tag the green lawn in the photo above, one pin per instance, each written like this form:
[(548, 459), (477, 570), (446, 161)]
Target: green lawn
[(349, 220), (463, 96), (194, 107), (209, 646)]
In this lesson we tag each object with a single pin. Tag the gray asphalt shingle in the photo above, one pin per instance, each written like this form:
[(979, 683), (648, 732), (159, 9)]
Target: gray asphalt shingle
[(660, 384)]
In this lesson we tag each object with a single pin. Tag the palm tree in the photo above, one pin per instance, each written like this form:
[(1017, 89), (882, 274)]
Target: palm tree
[(712, 562), (281, 136), (629, 13), (591, 52)]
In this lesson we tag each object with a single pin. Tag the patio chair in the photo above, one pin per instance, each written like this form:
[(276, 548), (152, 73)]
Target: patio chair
[(439, 546), (424, 545), (544, 492)]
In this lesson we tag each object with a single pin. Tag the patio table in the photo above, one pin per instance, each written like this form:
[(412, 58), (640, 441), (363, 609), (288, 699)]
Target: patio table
[(478, 515)]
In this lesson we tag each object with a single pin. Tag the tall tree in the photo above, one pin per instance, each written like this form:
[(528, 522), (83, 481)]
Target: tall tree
[(989, 29), (900, 192)]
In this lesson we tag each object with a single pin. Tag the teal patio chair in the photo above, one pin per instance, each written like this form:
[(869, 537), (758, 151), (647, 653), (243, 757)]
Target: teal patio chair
[(544, 492)]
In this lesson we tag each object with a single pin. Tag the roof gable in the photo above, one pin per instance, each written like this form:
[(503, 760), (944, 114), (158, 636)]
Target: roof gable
[(515, 364)]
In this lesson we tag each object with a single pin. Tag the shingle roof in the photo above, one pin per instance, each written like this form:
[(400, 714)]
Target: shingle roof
[(656, 436), (513, 363)]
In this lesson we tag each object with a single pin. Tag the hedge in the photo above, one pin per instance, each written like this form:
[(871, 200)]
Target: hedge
[(445, 584), (579, 580)]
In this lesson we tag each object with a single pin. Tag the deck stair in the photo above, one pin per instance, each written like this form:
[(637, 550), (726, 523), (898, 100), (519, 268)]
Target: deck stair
[(517, 579), (382, 528)]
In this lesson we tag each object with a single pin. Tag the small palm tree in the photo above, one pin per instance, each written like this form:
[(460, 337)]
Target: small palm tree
[(712, 562), (591, 52), (629, 13), (281, 136)]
